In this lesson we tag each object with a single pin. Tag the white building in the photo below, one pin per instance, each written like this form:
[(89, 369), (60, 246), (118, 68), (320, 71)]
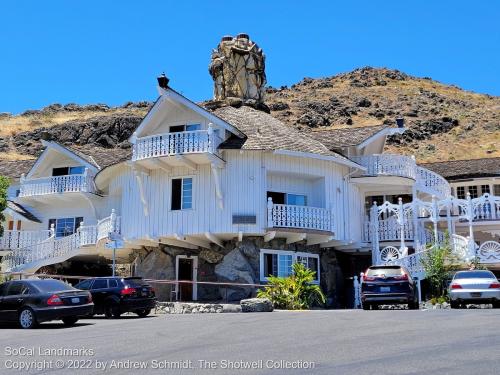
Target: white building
[(226, 192)]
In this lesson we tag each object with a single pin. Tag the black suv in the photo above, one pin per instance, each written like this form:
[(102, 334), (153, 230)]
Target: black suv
[(114, 296), (388, 285)]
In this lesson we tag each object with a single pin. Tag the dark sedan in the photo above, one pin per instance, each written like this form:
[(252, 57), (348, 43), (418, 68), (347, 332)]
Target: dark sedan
[(388, 285), (30, 302), (114, 296)]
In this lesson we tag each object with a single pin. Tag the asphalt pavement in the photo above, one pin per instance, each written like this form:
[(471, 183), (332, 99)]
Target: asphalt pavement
[(307, 342)]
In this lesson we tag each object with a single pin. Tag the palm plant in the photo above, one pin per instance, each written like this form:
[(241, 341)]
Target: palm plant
[(295, 292)]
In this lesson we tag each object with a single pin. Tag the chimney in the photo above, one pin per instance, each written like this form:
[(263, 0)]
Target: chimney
[(163, 81), (237, 67), (400, 122)]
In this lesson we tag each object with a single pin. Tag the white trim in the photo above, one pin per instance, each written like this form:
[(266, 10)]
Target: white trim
[(176, 97), (195, 274), (336, 159), (63, 150), (294, 254)]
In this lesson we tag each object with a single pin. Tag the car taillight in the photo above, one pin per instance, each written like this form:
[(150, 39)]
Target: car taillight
[(495, 286), (401, 277), (127, 291), (456, 286), (54, 300), (153, 292), (368, 278)]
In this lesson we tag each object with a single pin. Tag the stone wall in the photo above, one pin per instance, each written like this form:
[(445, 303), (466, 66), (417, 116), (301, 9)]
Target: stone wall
[(237, 262)]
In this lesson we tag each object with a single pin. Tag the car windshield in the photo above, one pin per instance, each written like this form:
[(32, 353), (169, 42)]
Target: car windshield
[(475, 275), (387, 271), (47, 286)]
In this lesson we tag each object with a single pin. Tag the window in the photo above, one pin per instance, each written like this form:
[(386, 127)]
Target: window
[(461, 192), (279, 263), (473, 191), (285, 198), (496, 190), (64, 171), (296, 200), (100, 284), (17, 288), (113, 283), (84, 285), (485, 189), (184, 128), (65, 226), (182, 193)]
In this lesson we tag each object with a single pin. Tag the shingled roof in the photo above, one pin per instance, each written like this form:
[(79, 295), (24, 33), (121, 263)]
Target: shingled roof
[(462, 169), (337, 139), (20, 210), (103, 157), (264, 132)]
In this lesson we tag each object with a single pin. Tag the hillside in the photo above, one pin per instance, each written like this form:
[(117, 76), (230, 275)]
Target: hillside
[(444, 122)]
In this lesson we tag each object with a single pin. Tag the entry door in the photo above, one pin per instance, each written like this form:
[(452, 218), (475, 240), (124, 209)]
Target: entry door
[(187, 270)]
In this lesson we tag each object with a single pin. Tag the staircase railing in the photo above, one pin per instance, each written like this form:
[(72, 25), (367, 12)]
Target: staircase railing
[(20, 239)]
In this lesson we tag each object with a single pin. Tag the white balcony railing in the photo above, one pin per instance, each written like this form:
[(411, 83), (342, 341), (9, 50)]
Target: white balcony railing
[(188, 142), (432, 183), (20, 239), (56, 185), (387, 165), (58, 248), (404, 166), (389, 230), (300, 217)]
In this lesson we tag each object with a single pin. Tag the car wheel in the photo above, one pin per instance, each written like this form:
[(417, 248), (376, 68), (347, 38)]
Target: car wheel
[(27, 318), (70, 321), (496, 305), (143, 313), (111, 311), (454, 305), (374, 307)]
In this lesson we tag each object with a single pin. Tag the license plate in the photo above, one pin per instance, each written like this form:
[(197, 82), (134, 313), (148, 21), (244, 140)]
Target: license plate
[(75, 300), (475, 294), (385, 289)]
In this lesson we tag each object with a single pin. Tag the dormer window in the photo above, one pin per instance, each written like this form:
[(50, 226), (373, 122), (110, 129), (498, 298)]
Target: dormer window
[(65, 171), (184, 128)]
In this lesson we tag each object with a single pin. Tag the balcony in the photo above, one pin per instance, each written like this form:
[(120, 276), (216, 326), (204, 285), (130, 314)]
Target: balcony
[(78, 183), (298, 217), (196, 146), (404, 166), (21, 239), (389, 230)]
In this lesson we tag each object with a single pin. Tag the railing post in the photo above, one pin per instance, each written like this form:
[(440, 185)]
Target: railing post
[(374, 232), (113, 221), (434, 218), (210, 133), (401, 222), (470, 216), (356, 292), (270, 212)]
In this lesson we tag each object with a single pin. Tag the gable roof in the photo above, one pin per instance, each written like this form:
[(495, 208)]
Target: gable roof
[(171, 94), (104, 157), (463, 169), (63, 150), (16, 208), (265, 132), (337, 139)]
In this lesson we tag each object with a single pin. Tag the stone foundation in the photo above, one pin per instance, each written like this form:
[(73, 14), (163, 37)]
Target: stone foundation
[(237, 262), (195, 308)]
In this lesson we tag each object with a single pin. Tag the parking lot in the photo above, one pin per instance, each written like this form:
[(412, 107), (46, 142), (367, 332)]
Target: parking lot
[(319, 342)]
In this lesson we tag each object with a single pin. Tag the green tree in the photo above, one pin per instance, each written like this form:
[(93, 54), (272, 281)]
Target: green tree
[(439, 263), (4, 184), (295, 292)]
